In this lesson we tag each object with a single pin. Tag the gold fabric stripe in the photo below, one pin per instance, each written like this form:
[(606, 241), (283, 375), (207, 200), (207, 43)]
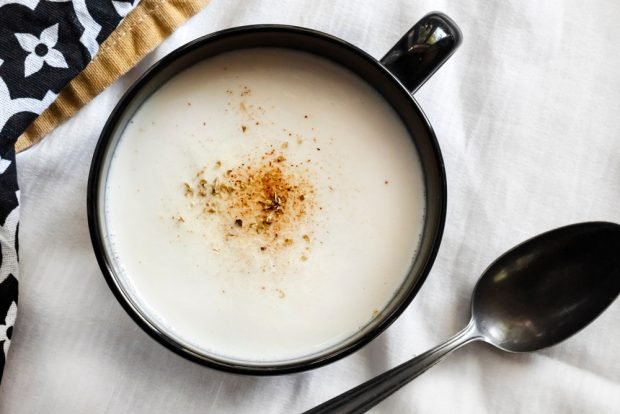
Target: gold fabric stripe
[(145, 27)]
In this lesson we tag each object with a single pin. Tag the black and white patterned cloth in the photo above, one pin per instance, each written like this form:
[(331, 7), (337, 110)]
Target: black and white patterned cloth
[(43, 45)]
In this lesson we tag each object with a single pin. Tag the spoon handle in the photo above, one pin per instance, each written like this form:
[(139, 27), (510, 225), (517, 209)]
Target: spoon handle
[(365, 396)]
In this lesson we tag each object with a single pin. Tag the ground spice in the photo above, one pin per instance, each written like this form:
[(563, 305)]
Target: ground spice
[(264, 197)]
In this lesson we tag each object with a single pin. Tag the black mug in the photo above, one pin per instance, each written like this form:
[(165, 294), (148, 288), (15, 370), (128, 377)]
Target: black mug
[(416, 56)]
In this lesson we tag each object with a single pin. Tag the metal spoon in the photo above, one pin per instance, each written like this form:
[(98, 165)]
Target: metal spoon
[(535, 295)]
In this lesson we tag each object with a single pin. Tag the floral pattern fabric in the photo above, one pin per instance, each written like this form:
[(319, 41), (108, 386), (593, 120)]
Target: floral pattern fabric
[(43, 45)]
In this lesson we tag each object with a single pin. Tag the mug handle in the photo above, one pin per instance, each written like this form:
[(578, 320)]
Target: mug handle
[(423, 49)]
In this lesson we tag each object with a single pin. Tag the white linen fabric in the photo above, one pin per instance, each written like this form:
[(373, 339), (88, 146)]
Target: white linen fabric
[(526, 113)]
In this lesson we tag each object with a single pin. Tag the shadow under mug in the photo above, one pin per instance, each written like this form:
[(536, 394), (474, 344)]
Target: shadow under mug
[(416, 56)]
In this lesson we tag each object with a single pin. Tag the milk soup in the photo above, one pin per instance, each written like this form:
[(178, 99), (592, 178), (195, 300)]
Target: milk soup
[(263, 205)]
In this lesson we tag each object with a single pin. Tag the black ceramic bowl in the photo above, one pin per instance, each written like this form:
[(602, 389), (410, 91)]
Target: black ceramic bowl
[(404, 68)]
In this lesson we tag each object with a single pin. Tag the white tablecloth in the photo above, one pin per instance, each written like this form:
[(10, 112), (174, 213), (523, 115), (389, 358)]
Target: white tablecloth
[(528, 116)]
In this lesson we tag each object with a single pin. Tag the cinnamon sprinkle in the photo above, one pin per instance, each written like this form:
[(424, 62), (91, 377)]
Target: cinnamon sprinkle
[(264, 198)]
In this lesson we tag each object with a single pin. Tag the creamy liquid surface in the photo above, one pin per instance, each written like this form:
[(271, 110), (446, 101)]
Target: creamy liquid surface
[(264, 205)]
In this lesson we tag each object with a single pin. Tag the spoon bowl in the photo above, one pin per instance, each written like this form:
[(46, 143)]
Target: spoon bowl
[(548, 288), (534, 296)]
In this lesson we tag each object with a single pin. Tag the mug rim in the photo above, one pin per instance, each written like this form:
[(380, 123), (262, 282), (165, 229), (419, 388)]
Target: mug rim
[(100, 155)]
